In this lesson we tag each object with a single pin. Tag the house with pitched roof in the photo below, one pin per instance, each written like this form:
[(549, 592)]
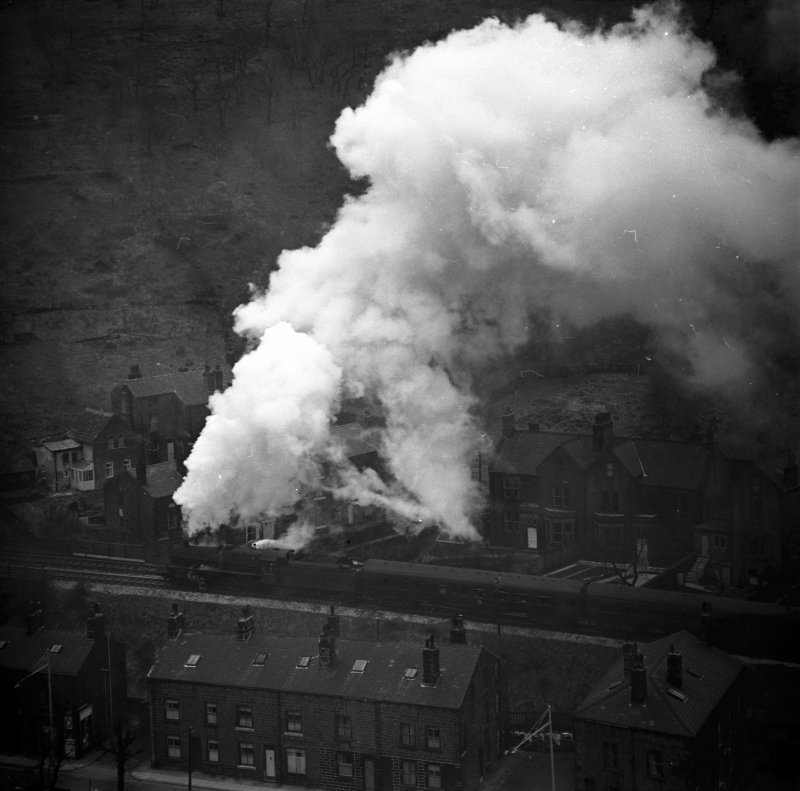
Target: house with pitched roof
[(596, 495), (327, 713), (168, 410), (141, 517), (72, 685), (668, 715)]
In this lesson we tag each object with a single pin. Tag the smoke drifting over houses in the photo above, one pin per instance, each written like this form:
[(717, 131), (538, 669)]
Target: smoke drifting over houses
[(511, 169)]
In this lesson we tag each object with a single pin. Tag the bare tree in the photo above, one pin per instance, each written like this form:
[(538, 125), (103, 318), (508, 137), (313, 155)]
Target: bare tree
[(121, 744)]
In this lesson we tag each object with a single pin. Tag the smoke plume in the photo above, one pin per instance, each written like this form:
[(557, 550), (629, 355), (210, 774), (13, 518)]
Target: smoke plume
[(510, 169)]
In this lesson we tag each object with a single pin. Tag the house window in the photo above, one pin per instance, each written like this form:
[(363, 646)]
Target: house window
[(609, 470), (211, 713), (172, 709), (111, 443), (561, 496), (719, 541), (561, 533), (173, 517), (611, 755), (247, 755), (433, 775), (244, 717), (294, 723), (120, 441), (648, 501), (251, 533), (655, 763), (408, 773), (295, 761), (109, 469), (408, 734), (434, 739), (611, 502), (343, 727), (173, 746), (212, 751), (511, 521), (126, 465), (511, 488), (344, 760), (88, 475)]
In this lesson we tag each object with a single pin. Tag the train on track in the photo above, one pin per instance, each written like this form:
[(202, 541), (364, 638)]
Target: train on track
[(736, 625)]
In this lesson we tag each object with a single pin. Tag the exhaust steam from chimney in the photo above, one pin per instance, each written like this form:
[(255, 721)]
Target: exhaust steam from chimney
[(511, 170)]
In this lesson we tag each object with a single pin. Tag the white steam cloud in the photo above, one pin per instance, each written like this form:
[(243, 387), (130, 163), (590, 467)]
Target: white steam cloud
[(509, 169)]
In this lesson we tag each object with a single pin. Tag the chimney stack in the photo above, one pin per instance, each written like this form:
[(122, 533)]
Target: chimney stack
[(674, 668), (327, 647), (602, 432), (430, 661), (95, 623), (174, 622), (217, 377), (246, 625), (208, 379), (508, 422), (333, 622), (458, 634), (638, 680), (135, 372), (629, 651)]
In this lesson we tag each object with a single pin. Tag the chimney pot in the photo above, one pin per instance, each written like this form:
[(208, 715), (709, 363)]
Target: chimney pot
[(674, 668), (638, 680), (458, 634), (629, 651), (327, 647), (174, 622), (430, 661), (602, 432)]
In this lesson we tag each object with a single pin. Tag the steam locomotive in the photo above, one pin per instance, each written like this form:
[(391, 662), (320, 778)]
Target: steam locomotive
[(739, 626)]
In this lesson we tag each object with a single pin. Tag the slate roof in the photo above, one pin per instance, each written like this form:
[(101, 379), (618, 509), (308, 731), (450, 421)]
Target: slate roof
[(189, 386), (228, 662), (26, 652), (162, 479), (707, 676), (90, 424), (61, 444), (677, 465), (356, 440)]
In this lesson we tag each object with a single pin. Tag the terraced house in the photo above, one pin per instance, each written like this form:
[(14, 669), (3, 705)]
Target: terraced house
[(328, 713)]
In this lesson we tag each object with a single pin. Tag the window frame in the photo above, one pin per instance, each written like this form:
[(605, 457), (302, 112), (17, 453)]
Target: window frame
[(655, 764), (247, 750), (561, 496), (408, 773), (433, 776), (344, 727), (212, 753), (511, 487), (244, 718), (212, 714), (433, 738), (294, 723), (174, 746), (296, 763), (109, 469), (345, 764), (408, 734), (172, 709), (611, 755)]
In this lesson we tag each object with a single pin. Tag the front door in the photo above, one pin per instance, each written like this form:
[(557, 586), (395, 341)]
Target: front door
[(704, 545), (269, 763), (533, 538), (369, 774)]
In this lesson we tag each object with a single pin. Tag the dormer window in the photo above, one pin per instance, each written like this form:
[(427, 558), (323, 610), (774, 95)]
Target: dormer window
[(411, 673), (359, 665), (302, 663), (261, 658), (56, 648), (192, 661)]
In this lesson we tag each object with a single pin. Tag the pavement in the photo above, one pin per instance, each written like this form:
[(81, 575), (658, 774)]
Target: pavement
[(97, 771)]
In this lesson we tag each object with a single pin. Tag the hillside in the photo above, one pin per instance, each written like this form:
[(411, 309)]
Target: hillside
[(156, 157)]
